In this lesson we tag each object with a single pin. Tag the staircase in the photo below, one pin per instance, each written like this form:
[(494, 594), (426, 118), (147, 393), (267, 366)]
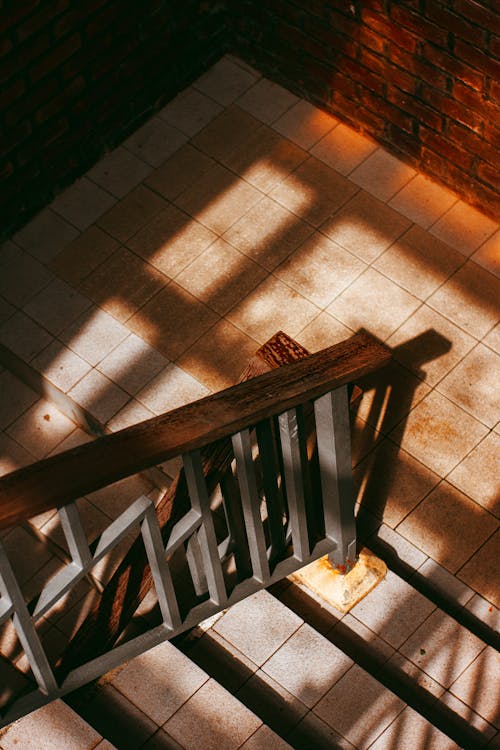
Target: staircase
[(278, 669)]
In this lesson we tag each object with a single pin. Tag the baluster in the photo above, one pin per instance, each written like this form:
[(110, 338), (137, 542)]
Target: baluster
[(293, 468), (200, 502), (195, 561), (334, 452), (75, 535), (160, 569), (236, 524), (274, 501), (250, 501)]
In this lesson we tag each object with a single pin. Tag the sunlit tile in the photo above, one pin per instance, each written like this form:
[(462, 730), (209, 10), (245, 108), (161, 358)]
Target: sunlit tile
[(173, 387), (488, 255), (464, 228), (93, 335), (382, 174), (132, 364), (423, 201), (410, 730), (322, 332), (41, 428), (60, 365), (477, 474), (471, 716), (481, 571), (305, 124), (55, 726), (343, 148), (98, 395), (444, 583)]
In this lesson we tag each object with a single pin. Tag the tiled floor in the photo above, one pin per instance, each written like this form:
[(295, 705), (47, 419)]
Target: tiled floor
[(239, 210)]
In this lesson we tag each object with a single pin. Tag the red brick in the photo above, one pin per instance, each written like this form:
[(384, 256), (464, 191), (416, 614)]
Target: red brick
[(5, 46), (33, 98), (495, 90), (389, 30), (15, 136), (387, 110), (49, 9), (18, 59), (495, 45), (11, 92), (363, 76), (371, 40), (415, 108), (484, 147), (419, 26), (455, 24), (447, 150), (474, 100), (56, 56), (17, 11), (477, 12), (454, 66), (60, 102), (477, 59), (418, 67), (489, 174), (453, 109), (403, 142)]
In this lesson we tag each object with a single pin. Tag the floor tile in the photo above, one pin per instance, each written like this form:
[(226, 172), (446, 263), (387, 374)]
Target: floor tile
[(60, 365), (123, 284), (477, 474), (172, 388), (442, 648), (492, 339), (171, 679), (410, 730), (12, 455), (41, 428), (190, 111), (132, 364), (219, 357), (265, 739), (307, 665), (132, 413), (478, 685), (391, 483), (423, 201), (93, 521), (127, 216), (447, 508), (305, 124), (320, 270), (472, 718), (268, 233), (401, 548), (271, 307), (464, 228), (472, 384), (481, 571), (351, 630), (322, 332), (382, 174), (375, 303), (438, 433), (365, 226), (221, 276), (118, 172), (225, 81), (53, 727), (258, 626), (83, 255), (218, 199), (161, 740), (56, 306), (21, 276), (444, 582), (226, 133), (278, 709), (16, 398), (26, 553), (23, 336), (485, 611), (6, 310), (99, 395), (419, 262), (314, 734), (367, 707), (266, 100), (180, 172), (82, 203), (45, 235), (415, 676), (94, 335), (429, 344), (223, 661), (212, 719), (488, 255), (343, 148), (117, 497), (172, 321), (171, 241), (313, 191), (155, 141)]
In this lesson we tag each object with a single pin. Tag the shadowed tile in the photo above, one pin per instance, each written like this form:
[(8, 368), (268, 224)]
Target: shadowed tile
[(183, 169), (53, 727), (23, 336), (132, 364), (410, 730), (476, 686), (155, 141), (225, 81), (83, 255), (190, 111), (45, 235), (21, 276), (488, 255), (131, 213), (266, 100), (82, 203), (226, 133), (119, 171), (481, 572)]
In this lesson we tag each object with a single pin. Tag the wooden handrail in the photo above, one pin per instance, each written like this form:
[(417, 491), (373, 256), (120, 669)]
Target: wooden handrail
[(58, 480)]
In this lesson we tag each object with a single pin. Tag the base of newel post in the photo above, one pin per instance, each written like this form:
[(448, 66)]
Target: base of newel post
[(342, 591)]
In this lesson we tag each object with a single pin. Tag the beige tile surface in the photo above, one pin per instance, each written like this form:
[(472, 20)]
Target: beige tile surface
[(343, 148), (478, 685), (60, 365), (488, 255), (226, 134), (45, 235), (190, 111), (16, 398), (155, 141), (84, 254), (423, 201), (464, 228), (82, 203), (266, 100), (265, 739), (41, 428), (410, 730), (21, 275), (382, 174), (481, 571), (56, 306), (99, 395), (132, 364), (127, 216), (171, 388), (323, 331), (305, 124), (183, 169), (477, 474), (21, 335), (94, 335), (53, 727), (118, 172), (225, 81)]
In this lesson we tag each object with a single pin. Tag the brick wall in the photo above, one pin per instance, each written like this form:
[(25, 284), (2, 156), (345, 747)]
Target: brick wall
[(421, 76), (76, 77)]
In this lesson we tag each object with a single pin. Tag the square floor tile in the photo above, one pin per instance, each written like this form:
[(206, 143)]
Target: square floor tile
[(447, 508), (45, 235), (320, 269), (213, 719), (98, 395), (225, 81), (83, 255), (132, 413), (155, 141), (53, 727), (442, 647), (343, 148), (172, 388), (313, 191), (180, 172), (397, 545), (271, 307), (408, 672), (382, 174), (12, 455), (322, 332), (473, 385), (21, 276), (375, 303), (464, 228), (93, 335), (312, 732), (307, 665), (16, 398), (258, 626), (226, 133), (438, 433), (131, 213), (56, 306), (268, 233), (118, 172), (492, 339), (218, 359), (132, 364), (410, 730), (472, 718), (123, 284), (423, 201), (305, 124), (190, 111), (82, 203), (172, 321), (221, 276), (6, 310), (419, 262), (265, 739), (481, 571), (365, 226), (367, 707), (477, 474), (488, 255), (23, 336), (444, 582), (476, 686), (429, 344), (278, 709), (485, 611), (41, 428), (266, 100), (60, 365)]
